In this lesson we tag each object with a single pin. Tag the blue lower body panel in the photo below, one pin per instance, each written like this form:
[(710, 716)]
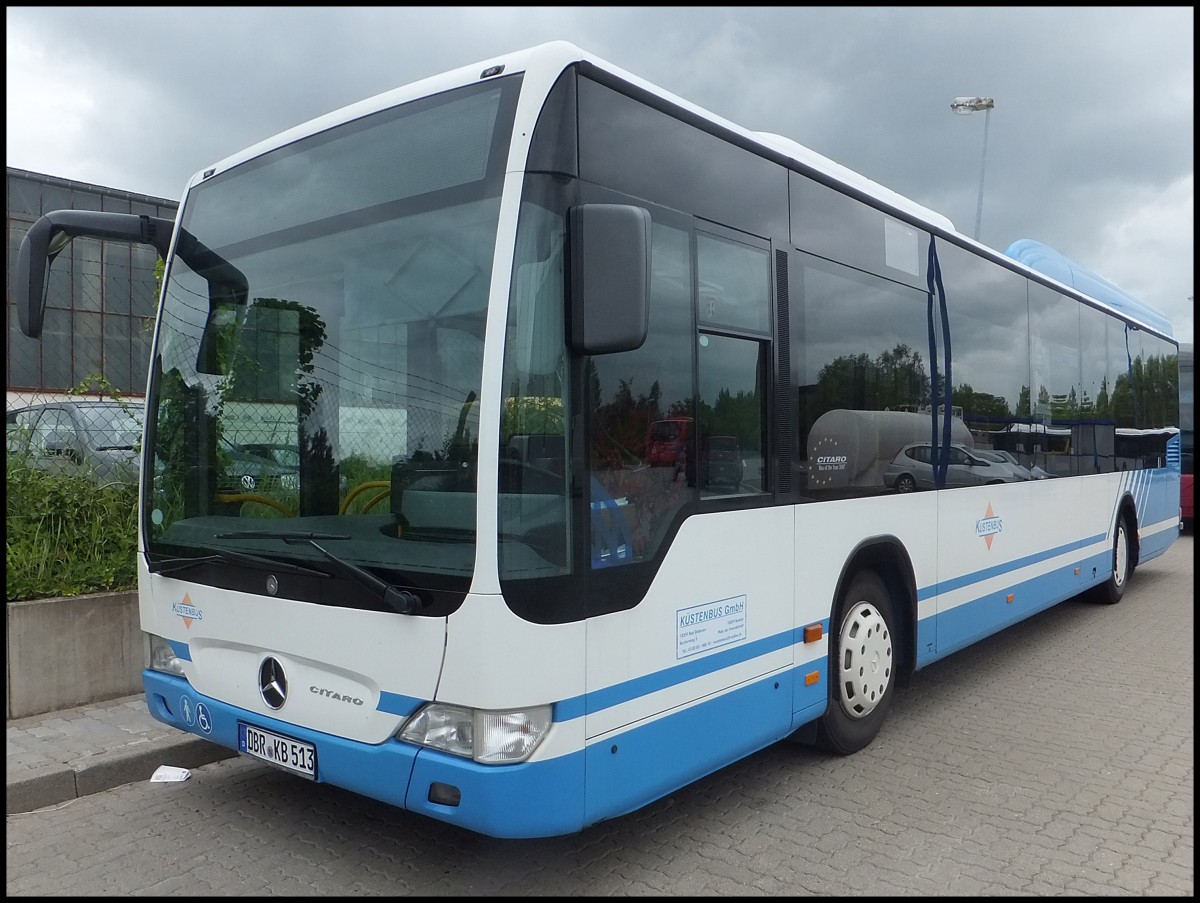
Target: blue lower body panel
[(534, 799), (543, 798)]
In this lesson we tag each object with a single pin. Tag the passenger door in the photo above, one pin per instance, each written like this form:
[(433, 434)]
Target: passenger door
[(712, 635)]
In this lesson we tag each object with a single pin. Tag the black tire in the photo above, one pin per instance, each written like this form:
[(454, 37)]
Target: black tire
[(1111, 591), (862, 667), (905, 483)]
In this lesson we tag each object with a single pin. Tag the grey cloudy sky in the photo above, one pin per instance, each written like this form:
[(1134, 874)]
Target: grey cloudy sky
[(1090, 145)]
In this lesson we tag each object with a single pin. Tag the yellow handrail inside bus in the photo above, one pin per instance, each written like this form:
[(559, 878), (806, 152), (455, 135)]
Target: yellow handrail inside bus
[(371, 504), (231, 497), (370, 484)]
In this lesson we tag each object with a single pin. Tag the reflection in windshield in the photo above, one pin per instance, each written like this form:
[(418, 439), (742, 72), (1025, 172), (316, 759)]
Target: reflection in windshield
[(348, 364)]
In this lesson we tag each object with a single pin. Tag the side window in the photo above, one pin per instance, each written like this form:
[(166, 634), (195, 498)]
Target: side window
[(20, 429), (864, 371), (1055, 379), (658, 439), (1097, 429), (986, 355), (684, 416), (639, 406), (733, 374), (734, 289), (534, 472), (733, 276), (54, 434)]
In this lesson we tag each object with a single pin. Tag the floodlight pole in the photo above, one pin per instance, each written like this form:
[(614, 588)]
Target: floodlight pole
[(965, 106)]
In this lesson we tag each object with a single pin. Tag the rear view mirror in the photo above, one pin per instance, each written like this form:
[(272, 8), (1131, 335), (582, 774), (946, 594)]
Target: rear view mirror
[(52, 232), (609, 277)]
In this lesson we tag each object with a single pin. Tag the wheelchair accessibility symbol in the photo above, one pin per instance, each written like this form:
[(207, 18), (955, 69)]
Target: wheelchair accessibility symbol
[(195, 714)]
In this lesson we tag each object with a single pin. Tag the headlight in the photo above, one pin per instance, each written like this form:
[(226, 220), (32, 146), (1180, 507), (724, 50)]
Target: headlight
[(493, 738), (162, 656)]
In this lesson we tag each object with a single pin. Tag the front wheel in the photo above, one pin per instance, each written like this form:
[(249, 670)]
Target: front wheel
[(862, 667), (1112, 590)]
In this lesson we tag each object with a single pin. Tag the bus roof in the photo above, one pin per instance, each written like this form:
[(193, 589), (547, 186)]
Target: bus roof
[(550, 59), (544, 62)]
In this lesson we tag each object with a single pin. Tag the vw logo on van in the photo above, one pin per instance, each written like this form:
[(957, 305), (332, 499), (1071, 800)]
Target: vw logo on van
[(272, 683)]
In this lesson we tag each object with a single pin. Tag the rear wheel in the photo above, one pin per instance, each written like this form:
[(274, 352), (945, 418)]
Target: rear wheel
[(1112, 590), (905, 483), (862, 668)]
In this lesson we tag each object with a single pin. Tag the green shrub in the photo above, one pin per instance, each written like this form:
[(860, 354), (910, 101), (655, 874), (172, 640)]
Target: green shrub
[(67, 534)]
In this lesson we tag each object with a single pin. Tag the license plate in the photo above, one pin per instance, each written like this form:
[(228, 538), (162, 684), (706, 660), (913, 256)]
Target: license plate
[(296, 756)]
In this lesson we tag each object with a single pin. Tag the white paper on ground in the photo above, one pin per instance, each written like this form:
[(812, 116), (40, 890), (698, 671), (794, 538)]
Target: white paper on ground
[(170, 773)]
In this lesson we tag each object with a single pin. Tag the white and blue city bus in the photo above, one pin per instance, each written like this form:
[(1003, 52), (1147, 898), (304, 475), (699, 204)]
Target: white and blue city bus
[(459, 307)]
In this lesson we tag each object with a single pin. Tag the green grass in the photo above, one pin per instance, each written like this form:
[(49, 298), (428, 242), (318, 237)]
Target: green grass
[(67, 535)]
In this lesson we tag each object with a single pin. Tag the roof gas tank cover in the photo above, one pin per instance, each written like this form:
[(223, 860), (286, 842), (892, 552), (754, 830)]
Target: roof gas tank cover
[(1050, 262)]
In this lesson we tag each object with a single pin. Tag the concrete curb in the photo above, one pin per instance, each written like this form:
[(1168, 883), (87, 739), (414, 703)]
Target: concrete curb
[(50, 785)]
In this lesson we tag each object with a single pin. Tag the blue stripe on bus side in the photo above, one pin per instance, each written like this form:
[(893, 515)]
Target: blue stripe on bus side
[(938, 635), (632, 689), (1156, 543), (397, 704), (1135, 483), (644, 685), (945, 586), (964, 624), (1155, 493), (628, 770), (624, 771)]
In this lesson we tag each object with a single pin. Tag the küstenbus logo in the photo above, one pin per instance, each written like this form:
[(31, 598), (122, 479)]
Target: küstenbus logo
[(989, 526), (186, 610)]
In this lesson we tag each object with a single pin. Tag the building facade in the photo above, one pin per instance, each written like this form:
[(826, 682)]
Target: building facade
[(100, 300)]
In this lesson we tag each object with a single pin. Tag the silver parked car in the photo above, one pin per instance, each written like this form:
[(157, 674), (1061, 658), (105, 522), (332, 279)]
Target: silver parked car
[(1027, 473), (912, 468), (99, 439)]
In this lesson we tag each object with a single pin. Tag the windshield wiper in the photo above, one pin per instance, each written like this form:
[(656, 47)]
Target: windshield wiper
[(171, 565), (285, 535), (403, 601)]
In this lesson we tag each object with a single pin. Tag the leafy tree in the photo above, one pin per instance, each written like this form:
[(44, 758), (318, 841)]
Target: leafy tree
[(896, 379)]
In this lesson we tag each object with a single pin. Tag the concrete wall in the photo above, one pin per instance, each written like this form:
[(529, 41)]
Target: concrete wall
[(73, 651)]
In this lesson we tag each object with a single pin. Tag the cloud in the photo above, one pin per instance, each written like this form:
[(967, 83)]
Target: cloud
[(1090, 146)]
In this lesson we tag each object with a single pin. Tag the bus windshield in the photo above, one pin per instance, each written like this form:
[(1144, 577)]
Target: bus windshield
[(321, 340)]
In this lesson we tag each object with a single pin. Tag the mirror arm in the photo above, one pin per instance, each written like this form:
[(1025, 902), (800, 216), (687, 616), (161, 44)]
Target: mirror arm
[(47, 237)]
